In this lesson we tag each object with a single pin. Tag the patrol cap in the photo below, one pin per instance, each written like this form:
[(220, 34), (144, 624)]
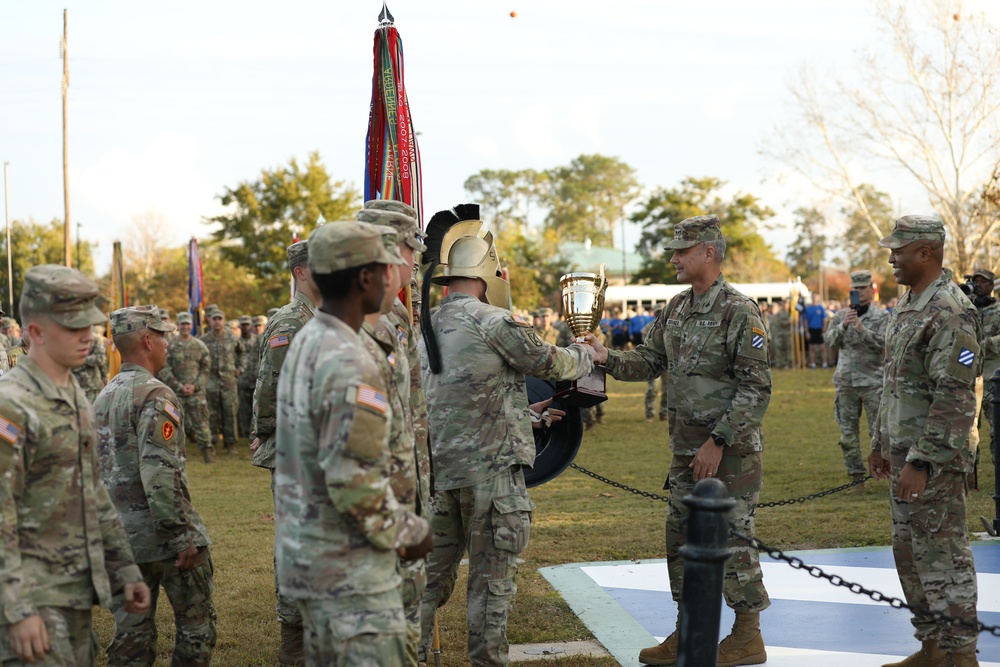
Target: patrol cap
[(137, 318), (401, 217), (184, 318), (692, 231), (860, 279), (985, 273), (233, 324), (298, 254), (271, 312), (7, 322), (245, 319), (258, 319), (64, 294), (912, 228), (213, 314), (349, 243), (164, 314), (544, 312)]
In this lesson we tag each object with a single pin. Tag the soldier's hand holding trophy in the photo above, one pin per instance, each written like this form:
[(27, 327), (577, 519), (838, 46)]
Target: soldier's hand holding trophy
[(583, 305)]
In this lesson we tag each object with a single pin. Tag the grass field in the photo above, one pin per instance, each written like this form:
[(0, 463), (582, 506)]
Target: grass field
[(577, 519)]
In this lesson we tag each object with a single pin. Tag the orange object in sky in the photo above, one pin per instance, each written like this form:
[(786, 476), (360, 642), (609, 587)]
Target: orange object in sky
[(513, 15)]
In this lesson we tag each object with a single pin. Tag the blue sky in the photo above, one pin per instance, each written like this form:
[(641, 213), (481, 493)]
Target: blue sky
[(168, 104)]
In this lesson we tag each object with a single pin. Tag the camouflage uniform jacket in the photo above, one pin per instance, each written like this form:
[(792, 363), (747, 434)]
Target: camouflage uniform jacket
[(714, 350), (989, 320), (381, 342), (228, 356), (93, 374), (478, 403), (550, 336), (780, 325), (61, 539), (859, 363), (141, 446), (188, 362), (932, 358), (408, 341), (4, 361), (275, 341), (248, 378), (338, 523)]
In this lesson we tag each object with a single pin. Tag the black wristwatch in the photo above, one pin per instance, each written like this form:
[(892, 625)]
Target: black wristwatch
[(718, 440), (920, 464)]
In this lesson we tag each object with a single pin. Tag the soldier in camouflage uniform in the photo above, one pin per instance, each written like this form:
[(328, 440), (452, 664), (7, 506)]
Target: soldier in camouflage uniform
[(62, 546), (228, 358), (339, 525), (93, 375), (165, 316), (17, 347), (281, 330), (478, 355), (651, 389), (932, 358), (259, 324), (141, 446), (186, 373), (781, 336), (988, 312), (247, 381), (548, 333), (4, 344), (859, 336), (710, 342), (394, 346)]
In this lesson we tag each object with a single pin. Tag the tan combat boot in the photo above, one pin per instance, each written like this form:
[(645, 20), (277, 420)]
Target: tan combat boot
[(291, 653), (960, 660), (744, 645), (929, 655), (664, 653), (209, 454)]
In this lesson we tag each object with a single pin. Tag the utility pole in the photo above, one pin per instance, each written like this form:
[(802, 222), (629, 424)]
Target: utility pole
[(624, 262), (65, 90), (6, 216), (78, 225)]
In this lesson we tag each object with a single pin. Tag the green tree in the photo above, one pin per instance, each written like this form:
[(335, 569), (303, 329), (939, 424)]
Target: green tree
[(265, 213), (748, 257), (533, 269), (587, 198), (35, 243), (506, 197), (805, 255), (866, 226)]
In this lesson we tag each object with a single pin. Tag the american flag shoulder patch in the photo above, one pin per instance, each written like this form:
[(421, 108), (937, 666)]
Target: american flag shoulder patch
[(402, 336), (966, 357), (520, 320), (277, 341), (9, 431), (172, 411), (372, 398), (392, 358)]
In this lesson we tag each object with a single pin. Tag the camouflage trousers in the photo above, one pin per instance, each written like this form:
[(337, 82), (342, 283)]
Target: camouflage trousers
[(782, 356), (190, 595), (847, 411), (593, 414), (743, 475), (196, 420), (355, 631), (285, 608), (651, 391), (72, 640), (492, 521), (222, 400), (930, 543), (244, 412), (414, 575)]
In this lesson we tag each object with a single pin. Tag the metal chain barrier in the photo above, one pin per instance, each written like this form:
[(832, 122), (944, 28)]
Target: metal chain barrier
[(858, 589), (776, 503)]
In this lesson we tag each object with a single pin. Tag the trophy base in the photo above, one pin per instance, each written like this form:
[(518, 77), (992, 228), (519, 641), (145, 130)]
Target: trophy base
[(585, 392)]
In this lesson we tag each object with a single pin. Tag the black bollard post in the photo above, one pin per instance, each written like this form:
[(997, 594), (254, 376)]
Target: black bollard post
[(705, 556), (995, 382)]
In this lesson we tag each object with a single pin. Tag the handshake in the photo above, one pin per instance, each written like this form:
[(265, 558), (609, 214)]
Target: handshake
[(597, 350)]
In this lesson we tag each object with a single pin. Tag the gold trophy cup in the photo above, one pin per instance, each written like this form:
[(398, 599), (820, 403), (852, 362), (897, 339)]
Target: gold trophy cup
[(583, 305)]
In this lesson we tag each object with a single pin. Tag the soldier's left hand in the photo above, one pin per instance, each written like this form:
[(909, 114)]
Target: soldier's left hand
[(137, 597), (911, 484), (706, 461)]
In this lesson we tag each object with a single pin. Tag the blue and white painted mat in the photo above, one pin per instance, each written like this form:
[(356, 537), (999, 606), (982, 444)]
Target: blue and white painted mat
[(627, 606)]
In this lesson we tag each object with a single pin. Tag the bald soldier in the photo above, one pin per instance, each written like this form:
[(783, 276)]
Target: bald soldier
[(340, 529), (932, 358), (276, 340), (62, 546), (141, 444)]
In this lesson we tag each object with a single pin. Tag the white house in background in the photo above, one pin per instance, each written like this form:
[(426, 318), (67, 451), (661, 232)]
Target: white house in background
[(627, 296)]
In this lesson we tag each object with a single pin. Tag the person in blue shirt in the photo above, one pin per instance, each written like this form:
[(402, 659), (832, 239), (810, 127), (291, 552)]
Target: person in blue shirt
[(815, 319), (619, 330), (636, 324)]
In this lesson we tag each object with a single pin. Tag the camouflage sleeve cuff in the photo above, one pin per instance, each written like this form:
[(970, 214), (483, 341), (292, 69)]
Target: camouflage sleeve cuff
[(726, 432), (16, 610), (415, 535), (181, 542), (128, 574)]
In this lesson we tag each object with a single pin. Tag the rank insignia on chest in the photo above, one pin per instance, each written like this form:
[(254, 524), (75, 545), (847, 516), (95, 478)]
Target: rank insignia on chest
[(172, 411), (372, 398), (401, 336), (757, 342), (9, 431), (277, 341), (966, 357), (168, 430)]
